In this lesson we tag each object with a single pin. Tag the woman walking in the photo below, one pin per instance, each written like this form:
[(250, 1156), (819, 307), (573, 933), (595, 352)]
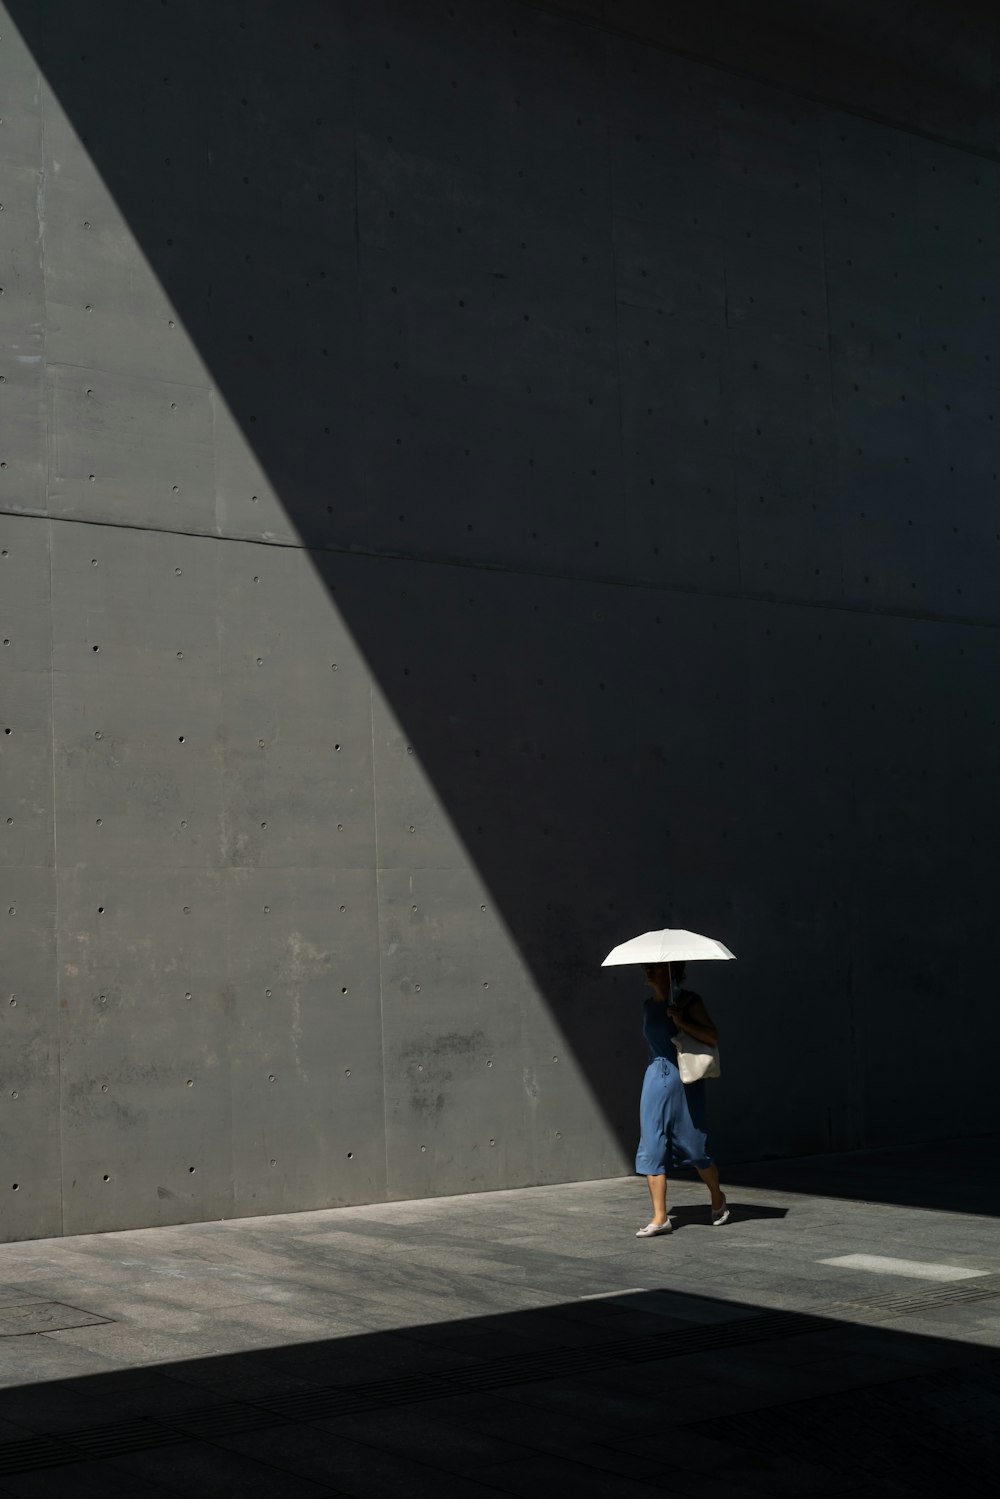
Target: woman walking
[(672, 1114)]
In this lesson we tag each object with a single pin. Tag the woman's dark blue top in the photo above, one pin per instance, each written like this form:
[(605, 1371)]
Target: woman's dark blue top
[(658, 1028)]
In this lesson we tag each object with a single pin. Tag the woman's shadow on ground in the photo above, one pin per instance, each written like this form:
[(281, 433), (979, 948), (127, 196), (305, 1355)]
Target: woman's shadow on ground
[(697, 1215)]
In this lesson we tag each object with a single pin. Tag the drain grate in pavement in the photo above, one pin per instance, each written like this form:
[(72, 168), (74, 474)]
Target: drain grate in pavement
[(137, 1435), (515, 1369), (34, 1453), (220, 1421), (899, 1303), (23, 1317)]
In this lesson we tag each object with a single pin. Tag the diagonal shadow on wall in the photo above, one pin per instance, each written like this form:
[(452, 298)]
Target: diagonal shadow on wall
[(388, 235)]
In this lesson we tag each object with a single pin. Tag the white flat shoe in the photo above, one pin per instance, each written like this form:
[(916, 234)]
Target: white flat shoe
[(652, 1229)]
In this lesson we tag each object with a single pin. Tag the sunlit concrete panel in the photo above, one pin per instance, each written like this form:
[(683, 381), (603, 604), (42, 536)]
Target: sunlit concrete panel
[(22, 324), (296, 735), (132, 452), (302, 994), (147, 1032), (30, 1193), (25, 705), (456, 1098)]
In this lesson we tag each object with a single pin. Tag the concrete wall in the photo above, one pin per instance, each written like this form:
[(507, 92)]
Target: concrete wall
[(478, 482)]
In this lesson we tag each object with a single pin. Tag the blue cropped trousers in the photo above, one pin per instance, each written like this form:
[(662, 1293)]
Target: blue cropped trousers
[(673, 1122)]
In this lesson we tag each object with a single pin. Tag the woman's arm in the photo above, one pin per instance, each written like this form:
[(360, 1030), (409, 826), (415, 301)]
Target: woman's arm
[(696, 1021)]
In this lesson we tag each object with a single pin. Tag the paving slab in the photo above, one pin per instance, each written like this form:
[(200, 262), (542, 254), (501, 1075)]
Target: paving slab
[(513, 1342)]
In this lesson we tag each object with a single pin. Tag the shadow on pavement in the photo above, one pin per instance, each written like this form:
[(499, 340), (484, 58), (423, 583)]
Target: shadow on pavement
[(739, 1212), (649, 1392)]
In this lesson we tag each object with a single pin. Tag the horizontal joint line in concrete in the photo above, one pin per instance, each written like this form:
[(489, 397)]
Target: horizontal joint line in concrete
[(596, 580), (704, 60)]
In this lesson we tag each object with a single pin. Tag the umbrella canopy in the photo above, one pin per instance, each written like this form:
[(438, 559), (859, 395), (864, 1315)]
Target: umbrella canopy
[(671, 945)]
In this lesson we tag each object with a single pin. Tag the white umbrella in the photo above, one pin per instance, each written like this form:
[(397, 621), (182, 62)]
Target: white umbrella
[(671, 945)]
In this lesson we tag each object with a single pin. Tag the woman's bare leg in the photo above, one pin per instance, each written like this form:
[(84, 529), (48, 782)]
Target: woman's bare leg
[(710, 1176), (658, 1192)]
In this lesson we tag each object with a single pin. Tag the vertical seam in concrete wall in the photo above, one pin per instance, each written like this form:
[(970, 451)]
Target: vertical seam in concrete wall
[(614, 303), (213, 398), (829, 357), (371, 683), (47, 415), (734, 494), (854, 1089), (55, 893), (354, 148), (378, 934), (227, 884)]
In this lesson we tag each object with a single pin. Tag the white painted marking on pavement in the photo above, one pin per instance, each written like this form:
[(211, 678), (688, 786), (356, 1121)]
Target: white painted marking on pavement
[(605, 1295), (882, 1264)]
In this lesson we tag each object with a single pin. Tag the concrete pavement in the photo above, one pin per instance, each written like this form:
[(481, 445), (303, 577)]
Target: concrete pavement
[(518, 1342)]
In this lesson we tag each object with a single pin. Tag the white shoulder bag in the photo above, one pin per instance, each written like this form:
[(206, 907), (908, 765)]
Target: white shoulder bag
[(695, 1059)]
